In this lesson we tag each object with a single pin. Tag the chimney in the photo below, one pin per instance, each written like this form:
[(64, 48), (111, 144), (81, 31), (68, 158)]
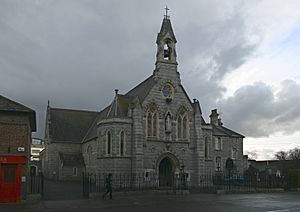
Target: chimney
[(214, 117), (220, 122)]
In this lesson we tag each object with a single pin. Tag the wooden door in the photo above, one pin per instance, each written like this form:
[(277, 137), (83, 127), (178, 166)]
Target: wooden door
[(10, 184), (165, 173)]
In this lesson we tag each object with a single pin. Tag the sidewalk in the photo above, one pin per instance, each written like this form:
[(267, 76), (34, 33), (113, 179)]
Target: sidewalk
[(119, 200)]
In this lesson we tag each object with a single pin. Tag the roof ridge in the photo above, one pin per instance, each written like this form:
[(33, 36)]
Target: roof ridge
[(17, 103), (76, 110), (141, 83)]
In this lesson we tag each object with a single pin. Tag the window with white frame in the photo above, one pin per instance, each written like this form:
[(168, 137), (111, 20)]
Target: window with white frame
[(74, 171), (122, 143), (218, 143), (108, 143)]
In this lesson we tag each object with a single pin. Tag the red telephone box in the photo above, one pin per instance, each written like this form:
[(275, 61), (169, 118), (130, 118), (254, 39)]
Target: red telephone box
[(10, 178)]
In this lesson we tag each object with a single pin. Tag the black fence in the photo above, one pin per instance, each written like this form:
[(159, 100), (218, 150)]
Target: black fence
[(240, 183), (95, 183), (36, 184)]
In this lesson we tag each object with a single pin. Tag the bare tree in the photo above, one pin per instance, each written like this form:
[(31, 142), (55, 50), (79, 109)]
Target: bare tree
[(281, 155), (293, 154)]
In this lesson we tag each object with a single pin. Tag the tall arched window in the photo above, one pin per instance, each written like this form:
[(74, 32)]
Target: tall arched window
[(108, 143), (182, 125), (206, 148), (122, 143), (89, 155), (152, 121)]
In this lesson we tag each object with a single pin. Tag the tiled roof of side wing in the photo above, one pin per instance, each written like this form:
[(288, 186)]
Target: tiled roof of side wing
[(9, 105), (121, 108), (72, 159), (69, 125), (223, 131)]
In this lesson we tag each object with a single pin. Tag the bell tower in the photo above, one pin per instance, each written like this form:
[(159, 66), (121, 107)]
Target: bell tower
[(166, 43)]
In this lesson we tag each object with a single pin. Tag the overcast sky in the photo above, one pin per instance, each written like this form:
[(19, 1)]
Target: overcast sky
[(241, 57)]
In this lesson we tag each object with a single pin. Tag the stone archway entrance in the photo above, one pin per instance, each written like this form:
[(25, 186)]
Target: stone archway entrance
[(166, 172)]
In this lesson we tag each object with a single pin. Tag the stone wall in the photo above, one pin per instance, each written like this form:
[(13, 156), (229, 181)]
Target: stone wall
[(52, 163)]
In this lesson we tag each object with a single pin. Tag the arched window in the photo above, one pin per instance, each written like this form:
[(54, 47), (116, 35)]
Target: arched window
[(152, 121), (167, 50), (122, 143), (182, 125), (206, 148), (218, 143), (234, 153), (89, 155), (108, 143)]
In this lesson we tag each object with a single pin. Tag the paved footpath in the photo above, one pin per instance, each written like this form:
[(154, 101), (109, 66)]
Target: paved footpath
[(131, 202)]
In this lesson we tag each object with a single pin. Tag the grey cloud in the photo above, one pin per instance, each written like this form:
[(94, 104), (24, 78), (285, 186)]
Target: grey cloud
[(256, 111), (76, 53)]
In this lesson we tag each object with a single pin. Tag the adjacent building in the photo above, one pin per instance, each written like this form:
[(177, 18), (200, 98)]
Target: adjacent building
[(17, 122)]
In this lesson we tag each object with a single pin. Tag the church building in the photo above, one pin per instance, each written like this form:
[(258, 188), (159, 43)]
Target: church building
[(155, 128)]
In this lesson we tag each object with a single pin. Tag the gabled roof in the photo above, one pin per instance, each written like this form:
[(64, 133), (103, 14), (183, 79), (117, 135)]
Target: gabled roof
[(223, 131), (72, 159), (142, 89), (69, 125), (7, 105)]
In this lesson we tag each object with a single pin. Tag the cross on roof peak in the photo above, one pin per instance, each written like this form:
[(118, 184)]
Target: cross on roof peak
[(166, 15)]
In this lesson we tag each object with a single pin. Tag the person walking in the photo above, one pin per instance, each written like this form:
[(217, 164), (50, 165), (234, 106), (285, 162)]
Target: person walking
[(108, 186)]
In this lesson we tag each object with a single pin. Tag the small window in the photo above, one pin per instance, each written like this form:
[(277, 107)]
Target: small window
[(234, 153), (74, 172)]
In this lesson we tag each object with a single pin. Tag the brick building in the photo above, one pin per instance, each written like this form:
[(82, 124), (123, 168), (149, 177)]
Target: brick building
[(153, 129), (17, 122)]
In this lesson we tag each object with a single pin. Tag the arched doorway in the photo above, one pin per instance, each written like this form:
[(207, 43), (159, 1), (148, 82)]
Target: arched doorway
[(166, 172)]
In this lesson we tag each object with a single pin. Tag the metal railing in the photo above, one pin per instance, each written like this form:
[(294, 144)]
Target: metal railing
[(95, 183)]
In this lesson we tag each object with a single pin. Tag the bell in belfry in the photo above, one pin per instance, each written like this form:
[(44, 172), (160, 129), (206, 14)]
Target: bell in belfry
[(167, 51)]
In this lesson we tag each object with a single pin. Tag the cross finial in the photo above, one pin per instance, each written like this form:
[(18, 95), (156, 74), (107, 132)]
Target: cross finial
[(166, 15)]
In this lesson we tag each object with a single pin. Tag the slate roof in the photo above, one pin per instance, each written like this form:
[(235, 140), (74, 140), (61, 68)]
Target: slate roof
[(119, 107), (69, 125), (72, 159), (142, 89), (7, 105), (223, 131)]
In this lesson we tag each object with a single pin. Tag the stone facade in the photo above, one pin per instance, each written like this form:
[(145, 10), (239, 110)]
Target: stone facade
[(155, 128)]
